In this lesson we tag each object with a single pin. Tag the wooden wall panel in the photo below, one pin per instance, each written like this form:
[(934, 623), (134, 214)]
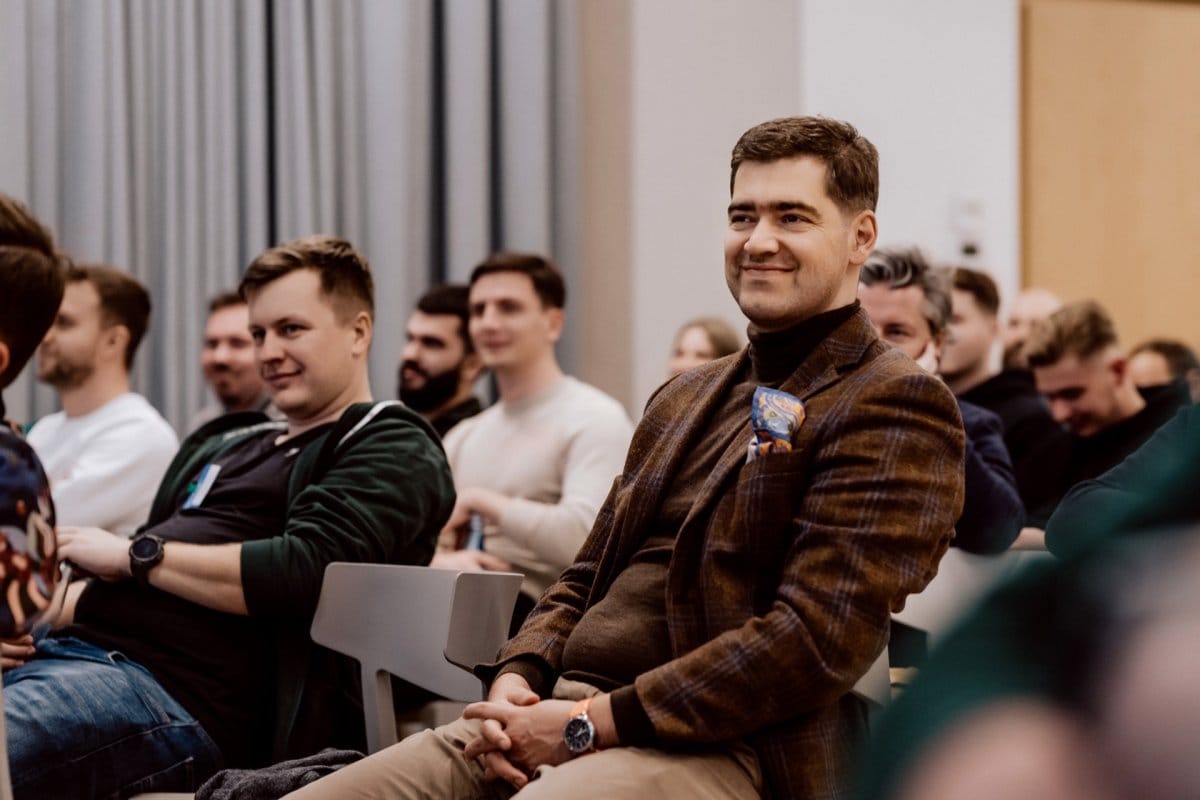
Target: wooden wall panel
[(1111, 159)]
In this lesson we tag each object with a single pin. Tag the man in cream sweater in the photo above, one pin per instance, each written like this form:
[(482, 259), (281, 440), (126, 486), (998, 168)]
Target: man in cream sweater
[(537, 465)]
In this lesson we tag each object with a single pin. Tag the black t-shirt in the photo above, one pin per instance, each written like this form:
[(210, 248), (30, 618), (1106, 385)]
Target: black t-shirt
[(217, 665)]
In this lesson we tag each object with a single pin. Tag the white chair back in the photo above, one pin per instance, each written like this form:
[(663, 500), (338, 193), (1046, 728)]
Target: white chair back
[(423, 625)]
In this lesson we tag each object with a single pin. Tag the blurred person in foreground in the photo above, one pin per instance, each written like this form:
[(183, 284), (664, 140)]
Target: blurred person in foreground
[(31, 289), (1076, 679)]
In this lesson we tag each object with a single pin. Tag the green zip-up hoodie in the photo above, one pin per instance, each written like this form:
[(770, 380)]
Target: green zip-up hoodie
[(374, 488)]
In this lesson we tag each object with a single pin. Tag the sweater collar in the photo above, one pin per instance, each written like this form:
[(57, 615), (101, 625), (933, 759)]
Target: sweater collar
[(774, 355)]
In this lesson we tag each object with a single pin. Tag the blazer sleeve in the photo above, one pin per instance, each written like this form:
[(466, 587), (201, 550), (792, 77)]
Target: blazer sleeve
[(880, 496)]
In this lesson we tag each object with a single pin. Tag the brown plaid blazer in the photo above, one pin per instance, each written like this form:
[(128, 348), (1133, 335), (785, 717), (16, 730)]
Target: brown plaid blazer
[(787, 569)]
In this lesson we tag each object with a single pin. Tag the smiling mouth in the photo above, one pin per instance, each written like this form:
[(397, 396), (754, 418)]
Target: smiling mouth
[(280, 377)]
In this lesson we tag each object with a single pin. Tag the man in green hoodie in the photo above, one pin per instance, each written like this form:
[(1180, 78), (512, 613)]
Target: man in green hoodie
[(188, 649)]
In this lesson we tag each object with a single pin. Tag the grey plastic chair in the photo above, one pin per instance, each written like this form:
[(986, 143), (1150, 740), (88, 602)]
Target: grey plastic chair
[(427, 626), (875, 687)]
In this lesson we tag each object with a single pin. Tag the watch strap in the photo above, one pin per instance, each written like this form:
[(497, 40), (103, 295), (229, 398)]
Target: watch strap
[(580, 709)]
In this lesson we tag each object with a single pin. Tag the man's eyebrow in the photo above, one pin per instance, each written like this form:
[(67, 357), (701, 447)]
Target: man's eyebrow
[(796, 205), (781, 206)]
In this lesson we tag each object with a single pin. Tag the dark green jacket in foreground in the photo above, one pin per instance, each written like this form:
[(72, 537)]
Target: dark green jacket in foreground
[(375, 488), (1038, 635)]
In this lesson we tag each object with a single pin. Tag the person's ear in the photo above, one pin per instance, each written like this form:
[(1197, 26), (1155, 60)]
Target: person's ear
[(864, 230), (5, 356), (1120, 369), (362, 329), (556, 320), (115, 341)]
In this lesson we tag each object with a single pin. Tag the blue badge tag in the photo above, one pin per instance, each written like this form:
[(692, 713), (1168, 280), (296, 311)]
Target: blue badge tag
[(201, 486)]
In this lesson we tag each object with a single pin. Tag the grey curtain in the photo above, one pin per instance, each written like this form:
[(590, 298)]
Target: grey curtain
[(178, 138)]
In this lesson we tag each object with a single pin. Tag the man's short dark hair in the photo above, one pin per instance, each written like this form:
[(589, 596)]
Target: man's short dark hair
[(225, 300), (1082, 329), (897, 269), (450, 299), (344, 272), (980, 286), (123, 301), (31, 283), (547, 280), (1180, 358), (851, 162)]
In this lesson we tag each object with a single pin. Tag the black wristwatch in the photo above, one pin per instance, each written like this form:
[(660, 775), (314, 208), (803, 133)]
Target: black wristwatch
[(145, 553), (579, 734)]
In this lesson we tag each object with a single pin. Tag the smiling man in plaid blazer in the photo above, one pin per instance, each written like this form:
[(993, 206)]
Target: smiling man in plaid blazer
[(706, 639)]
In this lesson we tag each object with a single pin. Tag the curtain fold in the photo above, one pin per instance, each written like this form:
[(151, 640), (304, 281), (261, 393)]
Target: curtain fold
[(178, 138)]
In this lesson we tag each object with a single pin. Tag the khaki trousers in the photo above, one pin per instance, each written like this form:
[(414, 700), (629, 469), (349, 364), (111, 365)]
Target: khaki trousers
[(430, 766)]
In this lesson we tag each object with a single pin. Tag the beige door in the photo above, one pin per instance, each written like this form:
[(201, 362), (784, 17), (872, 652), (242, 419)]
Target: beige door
[(1111, 159)]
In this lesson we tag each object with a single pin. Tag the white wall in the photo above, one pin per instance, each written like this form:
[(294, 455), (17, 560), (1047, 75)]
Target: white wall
[(703, 72), (933, 83)]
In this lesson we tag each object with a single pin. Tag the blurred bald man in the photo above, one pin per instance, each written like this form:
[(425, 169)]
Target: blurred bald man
[(1030, 306)]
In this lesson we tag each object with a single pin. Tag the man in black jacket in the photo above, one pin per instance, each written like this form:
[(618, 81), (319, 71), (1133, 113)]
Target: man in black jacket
[(1036, 444), (1083, 373)]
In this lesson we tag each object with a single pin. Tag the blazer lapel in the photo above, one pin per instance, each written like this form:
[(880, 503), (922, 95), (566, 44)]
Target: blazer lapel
[(661, 452)]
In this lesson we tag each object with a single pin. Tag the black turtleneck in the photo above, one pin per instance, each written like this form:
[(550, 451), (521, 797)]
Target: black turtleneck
[(774, 355)]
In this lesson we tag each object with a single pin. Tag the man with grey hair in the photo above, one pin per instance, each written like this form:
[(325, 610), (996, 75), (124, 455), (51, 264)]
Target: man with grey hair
[(909, 305)]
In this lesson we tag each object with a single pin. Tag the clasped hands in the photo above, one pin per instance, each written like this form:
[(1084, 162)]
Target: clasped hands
[(520, 731)]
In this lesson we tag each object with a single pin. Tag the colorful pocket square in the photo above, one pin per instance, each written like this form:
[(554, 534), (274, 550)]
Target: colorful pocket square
[(775, 417)]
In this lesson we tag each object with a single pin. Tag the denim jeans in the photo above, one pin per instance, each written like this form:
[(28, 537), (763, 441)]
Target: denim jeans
[(87, 723)]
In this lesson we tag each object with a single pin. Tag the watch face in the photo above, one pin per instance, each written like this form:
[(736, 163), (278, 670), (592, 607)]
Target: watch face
[(144, 548), (579, 734)]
